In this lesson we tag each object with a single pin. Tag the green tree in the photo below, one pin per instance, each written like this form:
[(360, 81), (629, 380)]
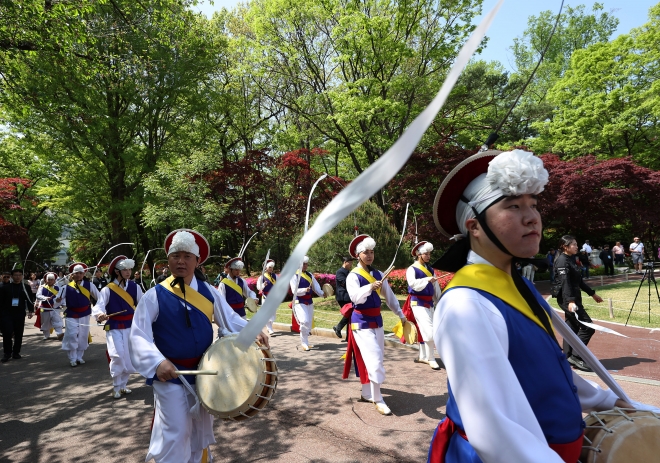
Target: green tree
[(107, 108), (607, 102)]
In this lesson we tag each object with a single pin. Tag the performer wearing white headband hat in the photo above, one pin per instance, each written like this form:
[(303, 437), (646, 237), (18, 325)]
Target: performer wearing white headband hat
[(116, 304), (265, 284), (234, 288), (49, 307), (423, 293), (366, 338), (77, 297), (171, 330), (303, 304), (512, 395)]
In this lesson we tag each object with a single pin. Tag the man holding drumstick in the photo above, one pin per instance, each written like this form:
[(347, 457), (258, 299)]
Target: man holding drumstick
[(116, 304), (171, 330)]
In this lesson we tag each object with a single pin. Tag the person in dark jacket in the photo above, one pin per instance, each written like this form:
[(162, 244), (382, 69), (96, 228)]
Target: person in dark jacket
[(341, 295), (569, 278), (16, 299), (99, 280), (607, 259)]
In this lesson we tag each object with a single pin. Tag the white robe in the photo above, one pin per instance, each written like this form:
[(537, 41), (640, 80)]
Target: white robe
[(176, 436), (304, 313), (423, 315), (472, 338), (121, 366), (75, 340), (371, 341), (50, 317)]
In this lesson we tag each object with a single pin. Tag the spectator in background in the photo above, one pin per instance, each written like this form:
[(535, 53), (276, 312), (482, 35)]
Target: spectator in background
[(618, 252), (528, 272), (137, 278), (637, 254), (34, 283), (341, 295), (583, 257), (586, 247), (608, 260), (99, 281), (16, 300), (5, 278), (62, 280), (163, 276), (551, 262)]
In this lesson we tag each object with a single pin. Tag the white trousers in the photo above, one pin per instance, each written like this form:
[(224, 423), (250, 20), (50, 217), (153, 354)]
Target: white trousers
[(269, 325), (305, 316), (121, 366), (424, 318), (75, 337), (51, 319), (176, 437), (371, 342)]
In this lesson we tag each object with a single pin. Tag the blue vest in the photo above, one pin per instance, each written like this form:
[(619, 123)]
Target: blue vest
[(117, 304), (172, 335), (544, 375), (76, 300), (427, 291), (372, 302), (268, 285), (47, 293), (302, 284), (234, 299)]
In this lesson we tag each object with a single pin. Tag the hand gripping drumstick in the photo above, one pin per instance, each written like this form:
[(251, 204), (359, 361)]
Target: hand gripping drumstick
[(196, 372), (116, 313)]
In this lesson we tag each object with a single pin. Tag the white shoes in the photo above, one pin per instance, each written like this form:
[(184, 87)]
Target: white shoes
[(434, 365), (125, 391), (73, 363), (81, 362), (117, 395), (382, 408)]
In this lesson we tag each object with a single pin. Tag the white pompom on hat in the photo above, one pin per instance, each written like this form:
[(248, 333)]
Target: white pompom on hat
[(306, 260), (270, 263), (77, 267), (360, 244), (421, 248), (187, 240)]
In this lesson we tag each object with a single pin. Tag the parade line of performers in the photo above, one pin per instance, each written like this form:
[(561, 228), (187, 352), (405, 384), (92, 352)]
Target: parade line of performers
[(512, 394)]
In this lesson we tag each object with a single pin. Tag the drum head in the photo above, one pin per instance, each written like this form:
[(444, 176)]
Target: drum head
[(410, 332), (611, 437), (251, 305), (328, 290), (240, 379)]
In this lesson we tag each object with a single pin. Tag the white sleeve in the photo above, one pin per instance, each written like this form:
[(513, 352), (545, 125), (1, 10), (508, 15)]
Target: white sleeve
[(40, 296), (221, 289), (417, 284), (101, 302), (225, 316), (247, 291), (145, 356), (357, 293), (592, 396), (472, 340), (316, 287), (94, 292), (390, 299), (62, 295)]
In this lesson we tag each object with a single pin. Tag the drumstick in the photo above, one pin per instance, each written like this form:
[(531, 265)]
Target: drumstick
[(387, 272), (116, 313), (196, 372)]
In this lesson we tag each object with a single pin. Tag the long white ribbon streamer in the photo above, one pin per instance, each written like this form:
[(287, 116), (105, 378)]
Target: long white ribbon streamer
[(601, 328), (366, 185), (583, 351)]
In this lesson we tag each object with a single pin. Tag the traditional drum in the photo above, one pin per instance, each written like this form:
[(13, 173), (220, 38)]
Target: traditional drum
[(245, 382), (618, 436), (251, 305), (328, 290)]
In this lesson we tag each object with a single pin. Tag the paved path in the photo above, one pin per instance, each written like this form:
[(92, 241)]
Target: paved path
[(53, 413)]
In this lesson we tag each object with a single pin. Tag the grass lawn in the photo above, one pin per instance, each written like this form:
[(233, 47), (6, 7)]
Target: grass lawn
[(326, 313), (622, 295)]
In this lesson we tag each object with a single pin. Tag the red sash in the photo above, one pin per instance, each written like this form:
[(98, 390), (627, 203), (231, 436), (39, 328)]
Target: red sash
[(353, 349), (77, 309), (190, 363), (569, 452), (407, 311)]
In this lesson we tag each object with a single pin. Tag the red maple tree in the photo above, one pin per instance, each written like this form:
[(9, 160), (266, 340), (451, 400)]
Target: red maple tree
[(11, 194)]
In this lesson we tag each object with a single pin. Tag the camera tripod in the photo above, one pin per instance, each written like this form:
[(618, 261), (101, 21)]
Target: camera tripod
[(648, 276)]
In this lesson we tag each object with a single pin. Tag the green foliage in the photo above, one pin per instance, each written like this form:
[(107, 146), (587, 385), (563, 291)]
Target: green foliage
[(607, 102), (325, 255)]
